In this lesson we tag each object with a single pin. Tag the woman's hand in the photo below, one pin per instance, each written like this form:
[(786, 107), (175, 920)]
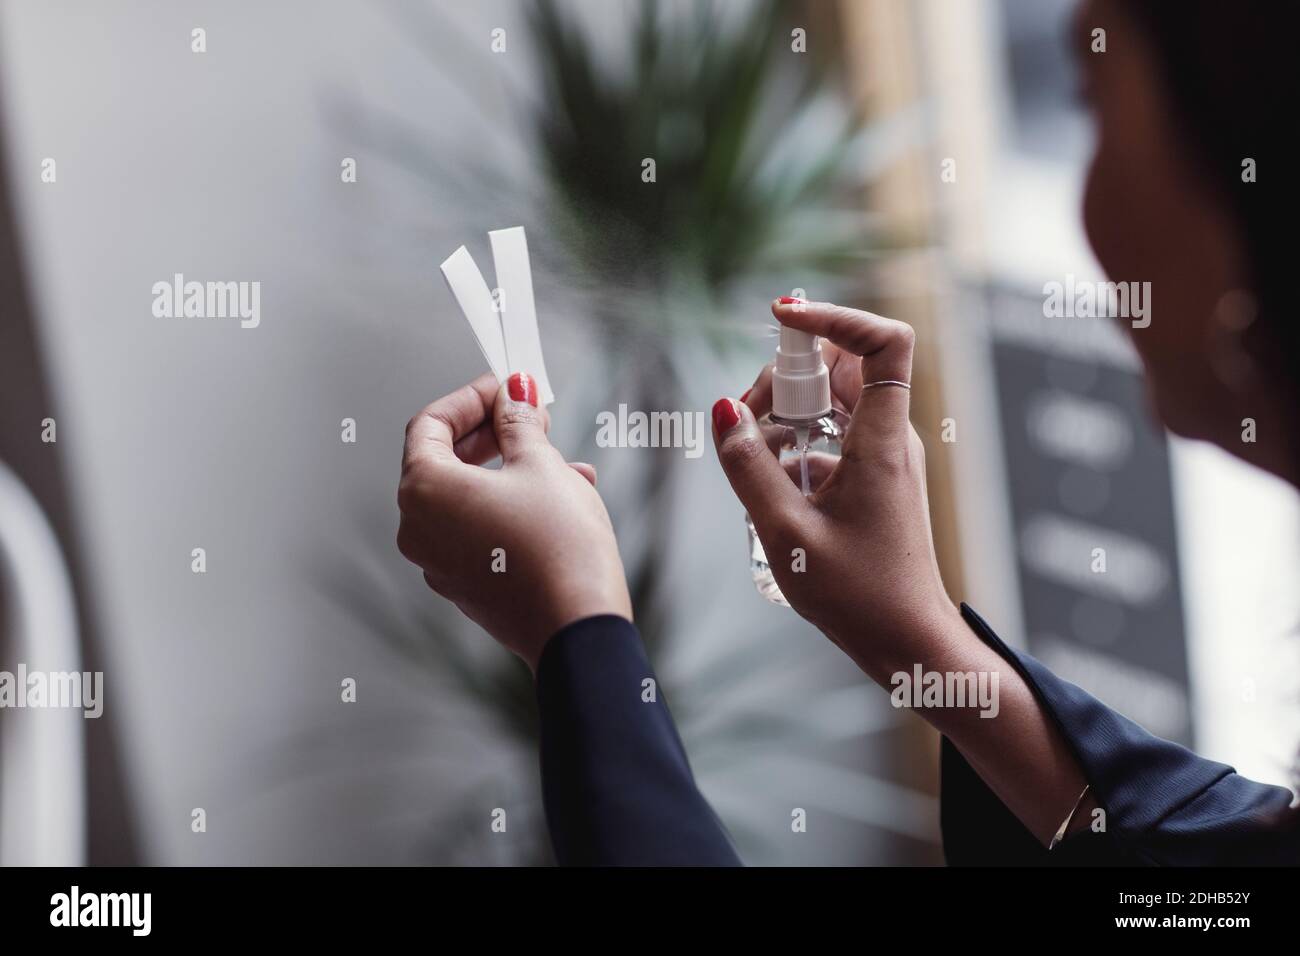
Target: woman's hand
[(523, 550), (870, 580)]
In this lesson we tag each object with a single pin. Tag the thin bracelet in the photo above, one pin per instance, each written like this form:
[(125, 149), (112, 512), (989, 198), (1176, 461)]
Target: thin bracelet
[(886, 382), (1065, 825)]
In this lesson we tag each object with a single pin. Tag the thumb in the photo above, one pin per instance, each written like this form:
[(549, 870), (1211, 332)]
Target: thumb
[(517, 419), (773, 501)]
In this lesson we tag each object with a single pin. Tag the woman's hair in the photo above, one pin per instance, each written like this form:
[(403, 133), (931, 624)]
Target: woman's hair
[(1229, 69)]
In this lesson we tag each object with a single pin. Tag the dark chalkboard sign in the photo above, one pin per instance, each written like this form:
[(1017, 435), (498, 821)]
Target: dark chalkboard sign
[(1091, 504)]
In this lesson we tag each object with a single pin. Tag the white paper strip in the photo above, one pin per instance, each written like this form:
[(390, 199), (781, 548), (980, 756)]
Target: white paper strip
[(519, 311), (475, 300)]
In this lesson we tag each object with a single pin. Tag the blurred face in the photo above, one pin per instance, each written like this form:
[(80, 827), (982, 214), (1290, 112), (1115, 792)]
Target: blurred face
[(1151, 217)]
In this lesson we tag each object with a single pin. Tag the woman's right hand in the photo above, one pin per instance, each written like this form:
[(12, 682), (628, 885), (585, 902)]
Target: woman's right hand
[(869, 580)]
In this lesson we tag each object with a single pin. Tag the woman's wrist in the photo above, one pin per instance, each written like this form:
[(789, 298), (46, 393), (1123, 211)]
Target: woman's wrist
[(922, 636), (578, 605), (1039, 779)]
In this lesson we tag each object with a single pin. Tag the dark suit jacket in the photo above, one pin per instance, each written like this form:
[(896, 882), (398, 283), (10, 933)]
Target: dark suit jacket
[(619, 791)]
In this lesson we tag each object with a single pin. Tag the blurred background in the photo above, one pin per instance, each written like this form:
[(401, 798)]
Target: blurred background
[(918, 157)]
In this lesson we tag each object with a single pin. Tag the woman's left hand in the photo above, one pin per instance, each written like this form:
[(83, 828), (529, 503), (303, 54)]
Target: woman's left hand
[(523, 550)]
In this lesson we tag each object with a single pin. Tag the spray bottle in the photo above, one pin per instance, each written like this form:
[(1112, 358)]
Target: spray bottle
[(804, 431)]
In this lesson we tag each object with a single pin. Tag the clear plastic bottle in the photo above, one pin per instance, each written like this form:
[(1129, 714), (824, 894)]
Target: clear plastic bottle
[(803, 430)]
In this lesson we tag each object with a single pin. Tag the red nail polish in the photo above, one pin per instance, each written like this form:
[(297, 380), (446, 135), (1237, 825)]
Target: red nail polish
[(725, 415), (745, 397), (790, 300), (522, 388)]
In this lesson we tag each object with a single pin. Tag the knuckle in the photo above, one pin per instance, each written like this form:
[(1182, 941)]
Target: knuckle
[(844, 313), (853, 455), (897, 457), (892, 458), (406, 542), (442, 416), (743, 449), (428, 412), (915, 446), (902, 334), (412, 459), (883, 458), (409, 492), (524, 417)]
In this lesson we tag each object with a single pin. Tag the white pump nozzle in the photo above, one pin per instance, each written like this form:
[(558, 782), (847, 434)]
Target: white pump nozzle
[(801, 383)]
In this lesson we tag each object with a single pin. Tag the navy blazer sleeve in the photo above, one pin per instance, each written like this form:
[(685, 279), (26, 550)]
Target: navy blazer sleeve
[(618, 788), (616, 784), (1163, 804)]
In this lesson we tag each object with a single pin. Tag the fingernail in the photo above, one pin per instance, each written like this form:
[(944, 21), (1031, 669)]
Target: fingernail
[(745, 397), (725, 415), (790, 300), (522, 388)]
